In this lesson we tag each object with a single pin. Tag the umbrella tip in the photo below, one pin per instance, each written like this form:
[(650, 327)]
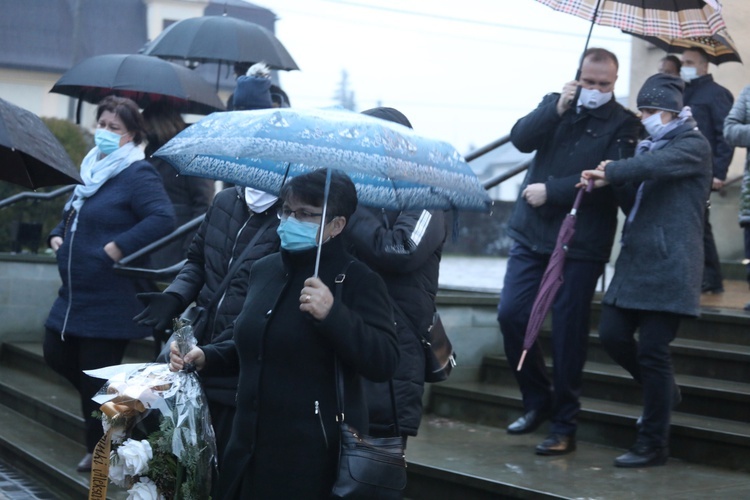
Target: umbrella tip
[(520, 362)]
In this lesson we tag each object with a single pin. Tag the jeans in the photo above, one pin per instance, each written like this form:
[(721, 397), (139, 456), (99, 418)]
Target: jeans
[(570, 330)]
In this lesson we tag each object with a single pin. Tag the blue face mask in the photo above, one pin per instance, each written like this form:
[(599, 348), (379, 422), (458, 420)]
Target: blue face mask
[(296, 236), (106, 140)]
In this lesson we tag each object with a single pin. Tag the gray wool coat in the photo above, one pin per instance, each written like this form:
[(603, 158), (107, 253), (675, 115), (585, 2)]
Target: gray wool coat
[(660, 265)]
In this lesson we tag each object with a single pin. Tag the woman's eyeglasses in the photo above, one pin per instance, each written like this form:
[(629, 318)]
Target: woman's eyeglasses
[(300, 214)]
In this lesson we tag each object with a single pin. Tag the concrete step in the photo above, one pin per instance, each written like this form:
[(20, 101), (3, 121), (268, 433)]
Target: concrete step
[(716, 324), (606, 381), (698, 358), (46, 456), (698, 439), (452, 460)]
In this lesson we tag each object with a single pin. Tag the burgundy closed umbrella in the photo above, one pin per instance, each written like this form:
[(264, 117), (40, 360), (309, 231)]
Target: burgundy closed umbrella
[(552, 279)]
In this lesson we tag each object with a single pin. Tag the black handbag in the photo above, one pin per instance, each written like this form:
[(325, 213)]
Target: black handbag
[(440, 358), (198, 315), (369, 467)]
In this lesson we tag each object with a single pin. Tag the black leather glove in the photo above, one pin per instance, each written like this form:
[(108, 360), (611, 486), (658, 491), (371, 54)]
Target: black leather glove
[(161, 308)]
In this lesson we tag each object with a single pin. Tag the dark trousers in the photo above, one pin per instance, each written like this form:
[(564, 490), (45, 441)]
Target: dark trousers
[(570, 330), (647, 360), (69, 357), (712, 278)]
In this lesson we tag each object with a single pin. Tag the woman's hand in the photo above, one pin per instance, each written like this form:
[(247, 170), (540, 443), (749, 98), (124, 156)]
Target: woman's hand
[(55, 242), (113, 251), (316, 299), (598, 175), (177, 362)]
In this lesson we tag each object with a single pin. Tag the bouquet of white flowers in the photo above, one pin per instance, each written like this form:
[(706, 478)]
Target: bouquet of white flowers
[(158, 441)]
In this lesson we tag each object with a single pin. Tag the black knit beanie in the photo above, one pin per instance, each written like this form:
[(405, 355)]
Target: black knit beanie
[(662, 91)]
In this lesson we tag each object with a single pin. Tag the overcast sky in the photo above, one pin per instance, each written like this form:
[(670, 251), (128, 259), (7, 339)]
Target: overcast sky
[(462, 71)]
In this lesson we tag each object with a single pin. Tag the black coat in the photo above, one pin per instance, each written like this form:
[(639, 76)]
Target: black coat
[(222, 237), (405, 249), (190, 197), (565, 146), (710, 104), (280, 448)]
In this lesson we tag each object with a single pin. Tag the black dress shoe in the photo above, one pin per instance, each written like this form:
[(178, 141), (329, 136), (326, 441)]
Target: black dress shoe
[(85, 464), (643, 456), (556, 444), (529, 422)]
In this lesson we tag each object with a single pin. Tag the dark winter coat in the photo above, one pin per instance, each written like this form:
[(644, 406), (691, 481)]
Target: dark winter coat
[(737, 134), (130, 209), (565, 146), (222, 237), (405, 249), (281, 447), (191, 197), (660, 266), (710, 103)]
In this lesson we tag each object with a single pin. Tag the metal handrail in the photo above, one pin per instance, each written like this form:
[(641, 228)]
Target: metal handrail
[(486, 149), (33, 195), (511, 172), (124, 269)]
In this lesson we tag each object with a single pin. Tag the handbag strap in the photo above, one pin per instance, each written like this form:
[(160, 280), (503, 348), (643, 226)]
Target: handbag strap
[(237, 263), (339, 281)]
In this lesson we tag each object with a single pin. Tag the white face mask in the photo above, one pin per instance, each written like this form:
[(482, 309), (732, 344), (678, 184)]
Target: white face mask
[(592, 98), (688, 73), (653, 124), (259, 201)]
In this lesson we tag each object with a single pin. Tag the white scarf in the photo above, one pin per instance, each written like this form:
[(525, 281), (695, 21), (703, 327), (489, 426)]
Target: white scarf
[(95, 172)]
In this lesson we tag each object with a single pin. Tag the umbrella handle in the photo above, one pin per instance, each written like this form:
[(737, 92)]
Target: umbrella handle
[(520, 362), (587, 188)]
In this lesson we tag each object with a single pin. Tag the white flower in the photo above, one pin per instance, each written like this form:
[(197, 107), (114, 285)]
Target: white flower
[(135, 456), (116, 469), (118, 433), (144, 489)]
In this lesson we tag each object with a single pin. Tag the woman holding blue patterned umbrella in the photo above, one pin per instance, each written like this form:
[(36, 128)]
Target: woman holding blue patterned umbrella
[(285, 438)]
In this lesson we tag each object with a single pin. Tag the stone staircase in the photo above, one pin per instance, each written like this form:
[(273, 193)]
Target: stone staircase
[(710, 428), (462, 450), (41, 428)]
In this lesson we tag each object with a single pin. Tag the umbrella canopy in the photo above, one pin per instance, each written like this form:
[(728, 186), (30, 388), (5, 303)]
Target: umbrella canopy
[(141, 78), (392, 166), (670, 18), (673, 19), (719, 48), (29, 154), (552, 279), (221, 39)]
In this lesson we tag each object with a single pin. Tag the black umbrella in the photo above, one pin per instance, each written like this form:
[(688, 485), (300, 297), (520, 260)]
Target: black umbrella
[(29, 154), (220, 39), (141, 78)]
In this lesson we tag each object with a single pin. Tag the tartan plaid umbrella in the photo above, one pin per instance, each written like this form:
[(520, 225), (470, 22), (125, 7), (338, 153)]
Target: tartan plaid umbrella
[(673, 19), (670, 18), (719, 48), (552, 279)]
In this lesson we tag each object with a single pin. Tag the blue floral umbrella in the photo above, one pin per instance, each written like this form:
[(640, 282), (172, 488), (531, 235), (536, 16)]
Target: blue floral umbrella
[(392, 166)]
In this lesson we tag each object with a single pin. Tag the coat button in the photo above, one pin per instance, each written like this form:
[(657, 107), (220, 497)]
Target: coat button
[(268, 313)]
